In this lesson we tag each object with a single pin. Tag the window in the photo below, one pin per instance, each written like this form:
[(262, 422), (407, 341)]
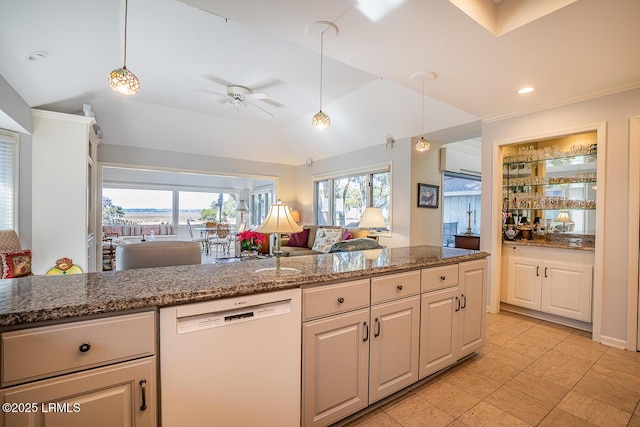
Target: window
[(461, 194), (206, 206), (342, 200), (260, 204), (8, 181), (136, 206)]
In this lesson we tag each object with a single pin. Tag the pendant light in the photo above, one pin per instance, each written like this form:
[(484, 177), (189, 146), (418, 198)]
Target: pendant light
[(321, 120), (422, 144), (122, 80)]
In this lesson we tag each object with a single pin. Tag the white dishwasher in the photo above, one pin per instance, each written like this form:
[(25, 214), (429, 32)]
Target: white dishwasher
[(232, 362)]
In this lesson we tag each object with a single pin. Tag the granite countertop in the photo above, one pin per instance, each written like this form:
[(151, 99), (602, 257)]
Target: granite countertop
[(41, 298)]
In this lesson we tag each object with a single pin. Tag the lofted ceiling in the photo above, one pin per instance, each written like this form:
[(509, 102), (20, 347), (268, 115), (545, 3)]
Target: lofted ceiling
[(186, 53)]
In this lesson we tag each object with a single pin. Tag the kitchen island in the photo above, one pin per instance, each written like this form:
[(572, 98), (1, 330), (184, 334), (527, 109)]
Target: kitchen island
[(78, 341), (43, 298)]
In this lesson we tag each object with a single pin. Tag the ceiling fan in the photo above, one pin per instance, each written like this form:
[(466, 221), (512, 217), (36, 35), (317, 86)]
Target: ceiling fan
[(240, 96)]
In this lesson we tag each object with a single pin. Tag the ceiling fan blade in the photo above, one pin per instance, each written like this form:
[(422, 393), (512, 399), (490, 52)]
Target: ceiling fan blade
[(225, 108), (210, 92), (218, 80), (256, 95), (258, 107), (265, 84)]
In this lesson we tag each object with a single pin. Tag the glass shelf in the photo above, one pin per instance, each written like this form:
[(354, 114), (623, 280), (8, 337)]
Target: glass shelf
[(559, 185), (514, 164), (549, 209)]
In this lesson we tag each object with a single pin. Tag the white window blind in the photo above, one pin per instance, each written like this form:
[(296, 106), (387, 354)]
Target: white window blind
[(7, 182)]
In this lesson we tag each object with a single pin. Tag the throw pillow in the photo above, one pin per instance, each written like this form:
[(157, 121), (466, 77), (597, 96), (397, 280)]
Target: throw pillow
[(325, 238), (299, 239), (16, 264), (346, 235), (360, 233)]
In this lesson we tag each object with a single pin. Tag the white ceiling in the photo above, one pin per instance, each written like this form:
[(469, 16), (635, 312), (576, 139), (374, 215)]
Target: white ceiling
[(181, 50)]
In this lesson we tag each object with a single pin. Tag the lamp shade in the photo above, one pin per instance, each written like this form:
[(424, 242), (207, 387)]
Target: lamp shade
[(372, 218), (242, 206), (563, 216), (295, 215), (278, 220)]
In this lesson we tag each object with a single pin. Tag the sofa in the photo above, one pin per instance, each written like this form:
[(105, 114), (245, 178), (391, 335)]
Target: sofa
[(320, 239), (157, 254)]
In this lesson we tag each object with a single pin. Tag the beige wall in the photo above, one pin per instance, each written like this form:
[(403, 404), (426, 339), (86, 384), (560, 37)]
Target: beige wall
[(615, 111)]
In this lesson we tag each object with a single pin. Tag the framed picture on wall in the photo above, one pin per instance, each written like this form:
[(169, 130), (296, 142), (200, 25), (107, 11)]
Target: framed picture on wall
[(428, 196)]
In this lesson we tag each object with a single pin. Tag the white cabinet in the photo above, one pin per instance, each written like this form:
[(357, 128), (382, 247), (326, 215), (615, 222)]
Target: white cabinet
[(395, 334), (453, 314), (354, 355), (63, 190), (98, 372), (555, 287)]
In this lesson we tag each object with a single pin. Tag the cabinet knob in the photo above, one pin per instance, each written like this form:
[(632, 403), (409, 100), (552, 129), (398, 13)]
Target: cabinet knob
[(399, 287), (84, 347), (340, 300), (443, 277)]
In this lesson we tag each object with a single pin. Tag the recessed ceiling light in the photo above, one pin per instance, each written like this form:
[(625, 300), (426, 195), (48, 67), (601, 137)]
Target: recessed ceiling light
[(527, 89), (36, 56)]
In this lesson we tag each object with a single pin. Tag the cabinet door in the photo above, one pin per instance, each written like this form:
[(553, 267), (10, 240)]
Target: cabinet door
[(438, 326), (524, 282), (112, 396), (567, 289), (394, 346), (335, 367), (472, 314)]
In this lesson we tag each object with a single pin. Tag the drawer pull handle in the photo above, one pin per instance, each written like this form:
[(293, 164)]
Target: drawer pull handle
[(84, 347), (366, 332), (399, 287), (537, 270), (143, 388), (340, 300), (545, 272), (457, 304), (464, 301), (377, 333), (443, 277)]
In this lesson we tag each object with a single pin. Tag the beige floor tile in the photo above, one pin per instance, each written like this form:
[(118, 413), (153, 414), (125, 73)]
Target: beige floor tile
[(538, 387), (532, 344), (554, 374), (582, 334), (519, 404), (377, 418), (451, 399), (415, 411), (559, 418), (496, 337), (581, 348), (511, 358), (621, 360), (487, 348), (484, 414), (606, 392), (553, 330), (594, 411), (509, 329), (472, 382), (493, 368), (456, 423), (566, 361)]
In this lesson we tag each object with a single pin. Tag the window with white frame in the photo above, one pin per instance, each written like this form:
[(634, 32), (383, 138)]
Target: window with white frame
[(341, 200), (260, 204), (8, 180)]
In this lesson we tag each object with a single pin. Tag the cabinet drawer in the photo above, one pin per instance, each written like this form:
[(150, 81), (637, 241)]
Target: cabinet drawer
[(46, 351), (395, 286), (439, 277), (331, 299)]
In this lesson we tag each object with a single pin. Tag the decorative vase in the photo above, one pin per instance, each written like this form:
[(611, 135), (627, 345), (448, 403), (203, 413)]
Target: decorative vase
[(248, 254)]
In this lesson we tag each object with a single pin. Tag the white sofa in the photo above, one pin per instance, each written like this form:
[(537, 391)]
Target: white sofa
[(157, 254)]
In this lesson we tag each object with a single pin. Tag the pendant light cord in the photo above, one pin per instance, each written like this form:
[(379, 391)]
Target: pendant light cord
[(321, 56), (126, 9), (422, 108)]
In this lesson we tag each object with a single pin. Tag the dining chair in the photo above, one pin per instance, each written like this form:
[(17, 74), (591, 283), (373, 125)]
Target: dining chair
[(222, 238), (204, 241)]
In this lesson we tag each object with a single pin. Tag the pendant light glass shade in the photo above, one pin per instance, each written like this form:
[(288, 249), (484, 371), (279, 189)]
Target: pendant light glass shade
[(122, 80), (321, 120), (422, 144)]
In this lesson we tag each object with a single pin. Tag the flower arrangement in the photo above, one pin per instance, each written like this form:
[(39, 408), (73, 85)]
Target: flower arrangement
[(250, 240)]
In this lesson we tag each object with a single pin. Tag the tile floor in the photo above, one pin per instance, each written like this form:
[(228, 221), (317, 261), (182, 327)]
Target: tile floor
[(529, 373)]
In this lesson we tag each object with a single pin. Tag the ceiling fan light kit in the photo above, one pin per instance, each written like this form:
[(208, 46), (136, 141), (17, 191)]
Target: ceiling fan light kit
[(122, 80), (322, 120)]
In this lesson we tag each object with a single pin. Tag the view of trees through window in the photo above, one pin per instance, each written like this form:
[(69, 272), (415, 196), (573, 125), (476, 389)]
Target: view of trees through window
[(156, 206), (341, 201)]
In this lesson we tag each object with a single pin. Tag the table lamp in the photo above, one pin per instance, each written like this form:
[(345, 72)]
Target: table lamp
[(242, 208), (278, 221), (295, 214), (372, 218), (565, 219)]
